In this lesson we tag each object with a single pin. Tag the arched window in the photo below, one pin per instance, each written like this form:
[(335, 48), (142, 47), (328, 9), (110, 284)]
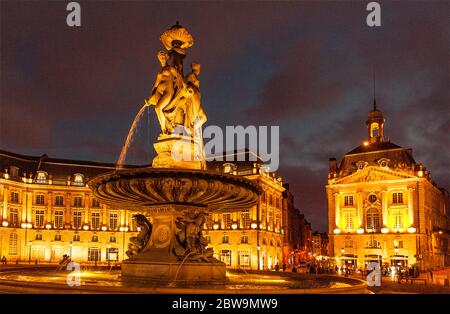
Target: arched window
[(372, 219)]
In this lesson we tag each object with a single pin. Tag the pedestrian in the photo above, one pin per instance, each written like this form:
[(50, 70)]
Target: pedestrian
[(294, 269), (284, 267), (431, 275), (277, 267), (4, 262)]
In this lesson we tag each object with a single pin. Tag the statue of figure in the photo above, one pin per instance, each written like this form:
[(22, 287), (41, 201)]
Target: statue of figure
[(195, 116), (191, 239), (138, 243), (168, 83)]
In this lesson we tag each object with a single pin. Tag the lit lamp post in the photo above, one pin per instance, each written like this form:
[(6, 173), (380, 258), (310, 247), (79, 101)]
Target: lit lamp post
[(259, 249), (71, 245), (109, 255), (29, 252), (342, 259)]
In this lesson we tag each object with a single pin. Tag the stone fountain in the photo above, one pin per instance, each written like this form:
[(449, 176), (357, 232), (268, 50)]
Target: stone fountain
[(172, 198)]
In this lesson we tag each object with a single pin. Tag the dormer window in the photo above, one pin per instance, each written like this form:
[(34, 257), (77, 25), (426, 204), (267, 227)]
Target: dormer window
[(78, 179), (41, 177), (14, 171), (384, 162)]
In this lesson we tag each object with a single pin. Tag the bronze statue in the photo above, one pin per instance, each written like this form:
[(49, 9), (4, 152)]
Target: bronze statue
[(137, 244), (191, 240), (177, 99)]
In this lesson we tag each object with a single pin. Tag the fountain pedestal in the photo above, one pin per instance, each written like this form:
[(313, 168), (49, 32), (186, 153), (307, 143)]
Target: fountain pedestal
[(176, 249), (178, 151)]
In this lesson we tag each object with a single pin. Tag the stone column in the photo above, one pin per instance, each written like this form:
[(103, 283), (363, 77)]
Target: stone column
[(359, 201), (337, 209), (49, 208), (5, 203), (411, 206), (67, 214), (24, 215), (384, 207), (86, 208), (30, 207)]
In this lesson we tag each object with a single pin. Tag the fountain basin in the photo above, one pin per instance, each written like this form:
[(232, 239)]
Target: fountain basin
[(155, 188), (171, 246)]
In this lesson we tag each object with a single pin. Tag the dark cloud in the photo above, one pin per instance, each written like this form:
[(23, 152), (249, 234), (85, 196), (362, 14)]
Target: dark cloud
[(306, 66)]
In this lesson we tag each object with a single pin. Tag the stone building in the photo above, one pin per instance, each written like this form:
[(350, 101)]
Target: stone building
[(251, 239), (297, 231), (320, 244), (47, 210), (383, 206)]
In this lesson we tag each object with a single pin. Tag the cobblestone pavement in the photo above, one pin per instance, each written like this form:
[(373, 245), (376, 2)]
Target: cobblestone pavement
[(435, 286)]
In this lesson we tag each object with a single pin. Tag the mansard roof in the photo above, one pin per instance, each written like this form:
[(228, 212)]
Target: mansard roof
[(373, 153), (58, 169)]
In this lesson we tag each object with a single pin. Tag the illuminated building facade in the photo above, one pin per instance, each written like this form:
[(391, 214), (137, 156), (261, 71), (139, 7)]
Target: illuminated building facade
[(250, 239), (297, 244), (383, 206), (320, 244), (46, 210)]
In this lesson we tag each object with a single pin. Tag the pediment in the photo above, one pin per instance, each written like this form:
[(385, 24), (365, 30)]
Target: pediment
[(373, 174)]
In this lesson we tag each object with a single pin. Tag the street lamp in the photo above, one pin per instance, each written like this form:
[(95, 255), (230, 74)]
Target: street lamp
[(259, 249), (71, 245), (29, 252), (109, 255)]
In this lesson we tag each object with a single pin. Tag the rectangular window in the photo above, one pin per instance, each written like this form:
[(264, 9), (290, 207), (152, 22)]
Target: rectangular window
[(246, 219), (112, 254), (94, 254), (59, 219), (13, 244), (39, 218), (39, 199), (244, 239), (95, 220), (349, 221), (227, 220), (225, 239), (95, 203), (59, 200), (398, 220), (244, 259), (113, 221), (77, 201), (225, 256), (13, 217), (77, 219), (348, 200), (57, 237), (14, 197), (397, 198)]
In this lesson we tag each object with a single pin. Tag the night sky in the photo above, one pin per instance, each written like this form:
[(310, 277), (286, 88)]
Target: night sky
[(305, 66)]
